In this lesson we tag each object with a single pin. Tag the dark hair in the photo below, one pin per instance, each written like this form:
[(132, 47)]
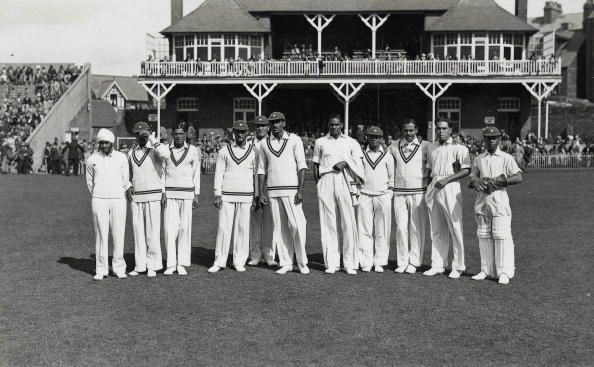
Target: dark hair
[(181, 125), (335, 115), (409, 121), (441, 119)]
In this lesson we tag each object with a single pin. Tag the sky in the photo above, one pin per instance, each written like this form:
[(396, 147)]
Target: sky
[(111, 34)]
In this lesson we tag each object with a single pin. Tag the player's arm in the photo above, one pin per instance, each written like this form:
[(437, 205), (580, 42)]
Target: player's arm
[(316, 161), (218, 179), (463, 163), (262, 170), (161, 149), (302, 168), (89, 175), (196, 178)]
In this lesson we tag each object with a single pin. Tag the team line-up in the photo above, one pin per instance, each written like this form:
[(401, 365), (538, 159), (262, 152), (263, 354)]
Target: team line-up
[(258, 189)]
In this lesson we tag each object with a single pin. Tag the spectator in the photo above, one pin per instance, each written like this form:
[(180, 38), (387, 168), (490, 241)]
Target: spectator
[(75, 152)]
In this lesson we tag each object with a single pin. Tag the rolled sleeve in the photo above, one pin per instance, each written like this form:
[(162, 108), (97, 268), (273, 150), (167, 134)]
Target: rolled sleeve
[(219, 172), (196, 175), (262, 162), (511, 167), (463, 157), (300, 155), (316, 152)]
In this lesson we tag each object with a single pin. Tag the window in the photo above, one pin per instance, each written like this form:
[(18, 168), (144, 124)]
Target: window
[(507, 39), (202, 39), (449, 108), (244, 109), (508, 104), (179, 41), (494, 38), (452, 39), (466, 38), (189, 40), (230, 39), (187, 104), (438, 40)]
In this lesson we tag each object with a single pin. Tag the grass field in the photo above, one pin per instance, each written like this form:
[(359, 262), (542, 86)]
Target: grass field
[(53, 313)]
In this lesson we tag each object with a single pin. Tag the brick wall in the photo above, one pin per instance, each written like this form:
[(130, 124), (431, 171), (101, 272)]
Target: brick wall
[(575, 119)]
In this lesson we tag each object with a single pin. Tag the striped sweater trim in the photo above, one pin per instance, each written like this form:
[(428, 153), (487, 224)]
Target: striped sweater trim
[(140, 161), (279, 152), (146, 192), (412, 154), (419, 189), (373, 163), (233, 193), (181, 159), (273, 188), (239, 160), (173, 188)]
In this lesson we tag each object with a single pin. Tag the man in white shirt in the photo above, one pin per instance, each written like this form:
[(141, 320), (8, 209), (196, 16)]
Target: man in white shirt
[(234, 197), (332, 155), (107, 175), (262, 246), (145, 196), (375, 206), (492, 171), (410, 185), (182, 191), (448, 164), (281, 176)]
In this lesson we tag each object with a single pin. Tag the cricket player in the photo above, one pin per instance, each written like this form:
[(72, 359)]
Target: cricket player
[(281, 176), (234, 195), (146, 170), (107, 175), (262, 246), (410, 185), (448, 163), (333, 154), (492, 171), (182, 191), (375, 206)]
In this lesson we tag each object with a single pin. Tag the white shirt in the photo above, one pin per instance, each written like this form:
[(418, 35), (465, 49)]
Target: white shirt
[(328, 151), (379, 172), (108, 176), (487, 165), (441, 157)]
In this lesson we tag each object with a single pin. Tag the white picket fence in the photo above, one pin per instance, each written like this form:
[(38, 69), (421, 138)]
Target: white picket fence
[(562, 161)]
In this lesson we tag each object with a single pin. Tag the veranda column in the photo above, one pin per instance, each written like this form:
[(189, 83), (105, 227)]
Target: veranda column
[(374, 21), (348, 92), (158, 91), (259, 91), (319, 22), (540, 91), (433, 90)]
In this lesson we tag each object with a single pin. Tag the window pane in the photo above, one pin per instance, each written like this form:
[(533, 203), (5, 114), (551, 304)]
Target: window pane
[(507, 38), (229, 39), (256, 52), (238, 116), (479, 52), (517, 53), (250, 116), (452, 50), (452, 39), (507, 53), (466, 51), (202, 53), (243, 53), (438, 51), (189, 40), (466, 38), (493, 52), (190, 52), (179, 54), (438, 39), (230, 52), (494, 38)]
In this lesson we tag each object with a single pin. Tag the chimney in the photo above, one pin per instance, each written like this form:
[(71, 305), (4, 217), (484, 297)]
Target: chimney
[(551, 11), (522, 9), (588, 8), (177, 10)]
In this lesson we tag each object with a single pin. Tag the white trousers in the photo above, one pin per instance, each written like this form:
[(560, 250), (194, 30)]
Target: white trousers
[(109, 214), (146, 220), (336, 205), (374, 226), (445, 218), (496, 245), (178, 228), (262, 245), (289, 230), (410, 212), (234, 224)]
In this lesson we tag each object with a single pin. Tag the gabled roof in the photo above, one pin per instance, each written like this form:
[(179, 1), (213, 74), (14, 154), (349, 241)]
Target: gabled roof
[(573, 19), (341, 6), (220, 16), (103, 114), (479, 15), (571, 49), (128, 86)]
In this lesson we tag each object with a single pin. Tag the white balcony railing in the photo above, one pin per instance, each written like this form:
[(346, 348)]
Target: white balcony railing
[(313, 69)]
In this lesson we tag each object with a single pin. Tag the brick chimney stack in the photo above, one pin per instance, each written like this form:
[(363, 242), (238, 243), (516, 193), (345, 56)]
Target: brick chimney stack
[(177, 10), (521, 10), (551, 11)]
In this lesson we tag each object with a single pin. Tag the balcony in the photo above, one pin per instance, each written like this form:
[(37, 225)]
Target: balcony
[(357, 68)]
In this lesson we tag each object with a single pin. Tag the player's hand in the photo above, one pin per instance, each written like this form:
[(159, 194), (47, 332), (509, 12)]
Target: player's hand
[(263, 200), (478, 184), (441, 183), (340, 166), (500, 181), (254, 206), (299, 197), (163, 200), (491, 186), (195, 202), (129, 194), (218, 202)]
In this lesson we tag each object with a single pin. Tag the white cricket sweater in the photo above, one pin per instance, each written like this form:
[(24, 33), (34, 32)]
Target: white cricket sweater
[(379, 172), (182, 172), (280, 160), (411, 174), (234, 174), (108, 176), (146, 171)]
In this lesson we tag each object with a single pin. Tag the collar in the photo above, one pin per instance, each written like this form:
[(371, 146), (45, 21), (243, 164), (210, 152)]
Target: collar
[(415, 141), (328, 136), (284, 136), (447, 142), (380, 150), (497, 152), (185, 146), (107, 155), (235, 145), (138, 147)]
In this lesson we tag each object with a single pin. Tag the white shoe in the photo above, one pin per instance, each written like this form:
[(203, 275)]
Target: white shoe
[(285, 269), (503, 279), (121, 276), (214, 269), (304, 269), (330, 270), (378, 269), (98, 277), (240, 268), (366, 269), (253, 262), (454, 274), (350, 271), (151, 273), (271, 263), (181, 270), (433, 271), (133, 273), (411, 269), (169, 271), (480, 276), (400, 269)]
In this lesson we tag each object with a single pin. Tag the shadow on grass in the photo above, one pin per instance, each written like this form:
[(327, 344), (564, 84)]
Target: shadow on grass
[(87, 265), (202, 256)]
